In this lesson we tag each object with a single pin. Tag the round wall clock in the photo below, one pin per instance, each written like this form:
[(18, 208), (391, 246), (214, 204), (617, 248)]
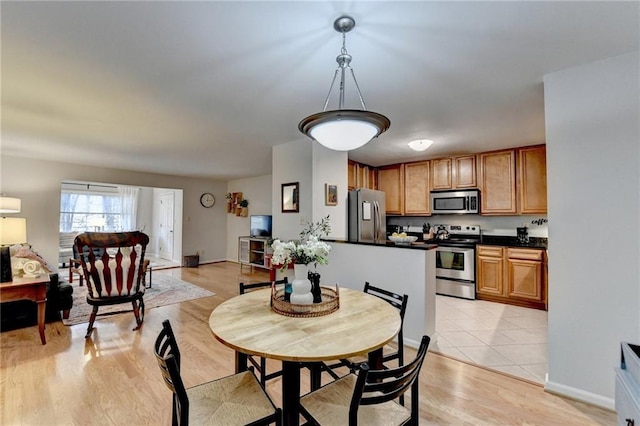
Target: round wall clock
[(207, 200)]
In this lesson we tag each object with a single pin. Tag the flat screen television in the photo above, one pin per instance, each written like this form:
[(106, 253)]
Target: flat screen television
[(260, 225)]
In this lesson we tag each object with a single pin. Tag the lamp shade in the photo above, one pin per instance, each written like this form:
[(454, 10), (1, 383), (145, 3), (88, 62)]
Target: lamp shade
[(344, 130), (13, 230), (9, 205)]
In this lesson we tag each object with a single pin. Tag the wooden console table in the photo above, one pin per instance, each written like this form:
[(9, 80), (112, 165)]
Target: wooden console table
[(31, 289)]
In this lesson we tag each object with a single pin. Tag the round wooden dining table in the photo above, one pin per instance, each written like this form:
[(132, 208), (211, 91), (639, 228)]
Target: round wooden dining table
[(362, 325)]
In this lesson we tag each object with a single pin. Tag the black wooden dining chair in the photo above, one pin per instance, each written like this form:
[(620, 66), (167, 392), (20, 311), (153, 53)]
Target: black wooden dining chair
[(389, 352), (368, 396), (261, 364), (232, 400)]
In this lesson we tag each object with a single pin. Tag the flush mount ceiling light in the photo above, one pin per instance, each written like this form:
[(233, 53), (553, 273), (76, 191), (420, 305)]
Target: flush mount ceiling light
[(420, 144), (344, 129)]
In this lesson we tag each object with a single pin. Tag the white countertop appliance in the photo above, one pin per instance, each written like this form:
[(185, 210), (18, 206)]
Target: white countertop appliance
[(456, 260)]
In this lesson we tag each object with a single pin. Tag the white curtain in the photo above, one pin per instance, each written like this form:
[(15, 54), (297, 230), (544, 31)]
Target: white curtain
[(129, 200)]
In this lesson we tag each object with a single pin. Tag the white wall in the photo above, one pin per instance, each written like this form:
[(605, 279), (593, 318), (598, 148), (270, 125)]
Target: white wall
[(330, 167), (291, 162), (37, 184), (593, 175), (257, 191)]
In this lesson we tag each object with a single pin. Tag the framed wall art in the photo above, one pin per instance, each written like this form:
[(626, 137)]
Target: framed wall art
[(330, 194)]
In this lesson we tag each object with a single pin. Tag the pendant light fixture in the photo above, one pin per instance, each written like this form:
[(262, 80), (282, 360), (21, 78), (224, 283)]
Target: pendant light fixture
[(344, 129)]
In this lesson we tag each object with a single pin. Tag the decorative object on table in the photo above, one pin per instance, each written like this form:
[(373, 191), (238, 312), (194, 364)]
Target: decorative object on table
[(330, 302), (13, 230), (301, 286), (207, 200), (301, 253), (330, 194), (290, 197), (314, 277), (344, 129)]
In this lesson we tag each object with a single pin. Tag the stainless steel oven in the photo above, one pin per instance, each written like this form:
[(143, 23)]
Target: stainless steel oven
[(456, 260), (456, 271)]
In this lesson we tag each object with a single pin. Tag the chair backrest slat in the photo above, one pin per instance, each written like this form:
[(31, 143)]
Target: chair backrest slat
[(112, 262), (168, 357), (378, 386), (266, 284)]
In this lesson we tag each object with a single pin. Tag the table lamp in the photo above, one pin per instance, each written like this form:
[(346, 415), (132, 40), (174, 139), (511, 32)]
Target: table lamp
[(13, 230)]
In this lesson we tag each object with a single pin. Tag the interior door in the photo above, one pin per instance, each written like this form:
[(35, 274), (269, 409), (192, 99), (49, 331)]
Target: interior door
[(165, 240)]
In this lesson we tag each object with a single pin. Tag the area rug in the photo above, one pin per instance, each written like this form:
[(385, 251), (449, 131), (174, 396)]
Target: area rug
[(165, 290)]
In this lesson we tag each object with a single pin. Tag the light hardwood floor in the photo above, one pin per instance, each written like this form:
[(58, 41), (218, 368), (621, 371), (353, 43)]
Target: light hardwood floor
[(113, 378)]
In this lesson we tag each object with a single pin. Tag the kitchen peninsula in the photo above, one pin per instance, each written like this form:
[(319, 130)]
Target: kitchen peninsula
[(402, 269)]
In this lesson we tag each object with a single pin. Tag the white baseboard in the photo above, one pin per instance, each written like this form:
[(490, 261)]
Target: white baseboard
[(580, 395)]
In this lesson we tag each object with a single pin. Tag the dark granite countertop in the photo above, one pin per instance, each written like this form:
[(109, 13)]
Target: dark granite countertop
[(500, 240), (414, 246)]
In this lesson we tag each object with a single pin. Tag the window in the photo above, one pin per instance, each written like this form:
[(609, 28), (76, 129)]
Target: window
[(111, 209)]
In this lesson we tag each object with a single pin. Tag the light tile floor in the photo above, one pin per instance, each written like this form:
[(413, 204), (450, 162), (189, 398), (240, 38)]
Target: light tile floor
[(501, 337)]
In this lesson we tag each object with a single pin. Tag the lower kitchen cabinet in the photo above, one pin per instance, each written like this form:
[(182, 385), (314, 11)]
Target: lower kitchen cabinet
[(512, 275)]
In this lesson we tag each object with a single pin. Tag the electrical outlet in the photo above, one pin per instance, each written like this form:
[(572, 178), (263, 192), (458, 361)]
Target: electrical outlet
[(303, 220)]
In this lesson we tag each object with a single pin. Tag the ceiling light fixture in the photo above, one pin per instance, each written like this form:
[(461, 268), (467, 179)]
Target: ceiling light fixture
[(420, 144), (344, 129)]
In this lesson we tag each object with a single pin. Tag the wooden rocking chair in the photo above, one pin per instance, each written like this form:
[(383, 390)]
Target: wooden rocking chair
[(113, 267)]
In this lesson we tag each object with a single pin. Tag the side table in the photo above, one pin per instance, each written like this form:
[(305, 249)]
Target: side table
[(31, 289)]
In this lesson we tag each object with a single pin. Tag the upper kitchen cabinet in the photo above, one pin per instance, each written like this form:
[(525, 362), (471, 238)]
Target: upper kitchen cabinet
[(391, 181), (532, 179), (453, 172), (361, 176), (497, 182), (416, 189)]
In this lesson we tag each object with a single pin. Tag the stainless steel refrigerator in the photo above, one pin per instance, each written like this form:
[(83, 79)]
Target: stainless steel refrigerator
[(367, 216)]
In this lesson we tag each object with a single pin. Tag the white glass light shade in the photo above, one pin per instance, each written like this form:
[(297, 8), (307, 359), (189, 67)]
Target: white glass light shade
[(344, 130), (420, 144), (9, 205), (13, 230)]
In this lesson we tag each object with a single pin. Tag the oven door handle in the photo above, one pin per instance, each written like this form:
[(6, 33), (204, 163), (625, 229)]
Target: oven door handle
[(455, 249)]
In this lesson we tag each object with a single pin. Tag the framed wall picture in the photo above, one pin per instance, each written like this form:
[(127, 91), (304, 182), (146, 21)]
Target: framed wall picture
[(290, 197), (330, 194)]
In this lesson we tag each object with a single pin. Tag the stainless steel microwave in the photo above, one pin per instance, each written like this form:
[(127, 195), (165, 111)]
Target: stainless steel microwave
[(455, 202)]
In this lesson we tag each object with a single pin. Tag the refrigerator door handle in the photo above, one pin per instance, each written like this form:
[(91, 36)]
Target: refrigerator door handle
[(376, 209)]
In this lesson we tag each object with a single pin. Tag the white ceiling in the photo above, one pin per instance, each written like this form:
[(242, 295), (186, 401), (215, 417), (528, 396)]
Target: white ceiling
[(207, 88)]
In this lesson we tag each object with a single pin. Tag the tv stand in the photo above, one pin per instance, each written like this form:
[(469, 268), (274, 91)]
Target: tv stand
[(254, 251)]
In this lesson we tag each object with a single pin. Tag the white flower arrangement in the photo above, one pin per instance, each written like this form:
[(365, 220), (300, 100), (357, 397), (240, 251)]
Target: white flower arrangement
[(309, 250)]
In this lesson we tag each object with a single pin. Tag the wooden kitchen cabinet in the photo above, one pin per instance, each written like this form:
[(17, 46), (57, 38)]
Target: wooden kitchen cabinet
[(391, 181), (416, 189), (361, 176), (453, 172), (532, 180), (464, 171), (512, 275), (441, 174), (490, 271), (497, 182)]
